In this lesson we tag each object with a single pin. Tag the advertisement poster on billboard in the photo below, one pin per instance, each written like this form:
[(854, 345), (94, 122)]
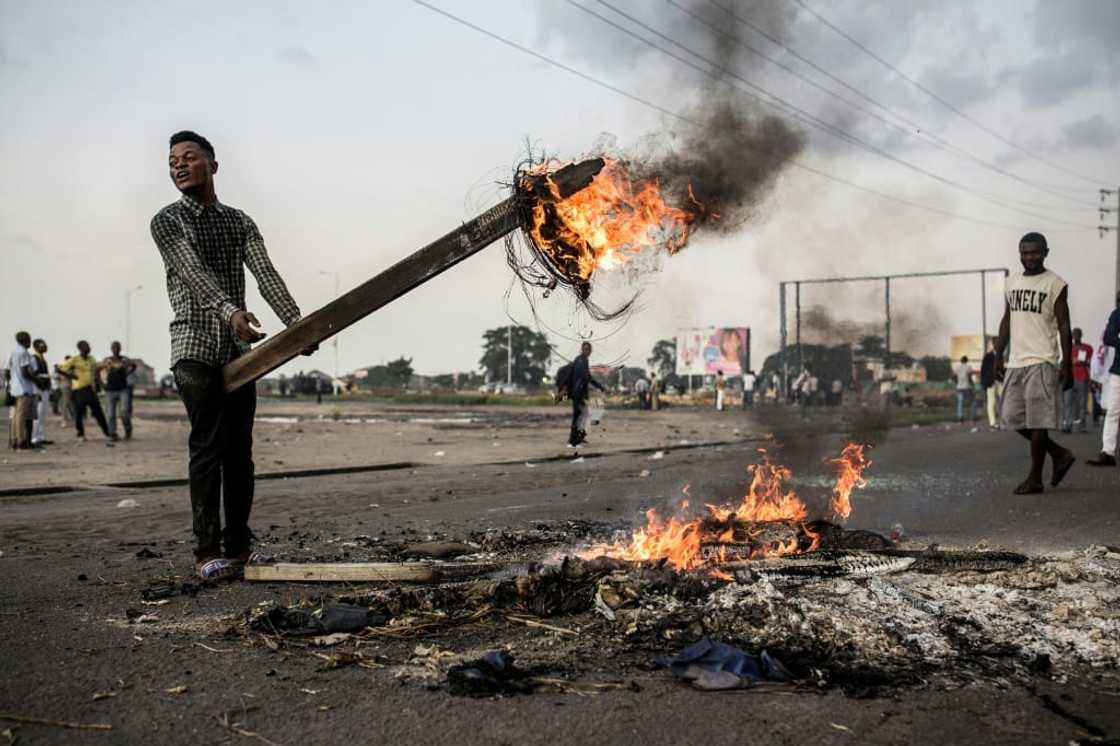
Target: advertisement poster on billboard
[(967, 345), (703, 352)]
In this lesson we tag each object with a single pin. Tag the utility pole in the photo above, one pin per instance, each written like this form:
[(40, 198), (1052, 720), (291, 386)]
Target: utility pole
[(1116, 228), (509, 355), (128, 317)]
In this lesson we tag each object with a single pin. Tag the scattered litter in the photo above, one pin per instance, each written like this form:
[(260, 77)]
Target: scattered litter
[(438, 550), (323, 620), (439, 454), (493, 673), (843, 728), (161, 602), (578, 460), (98, 696), (657, 456), (530, 465), (146, 553), (496, 444), (128, 502), (375, 505), (135, 616), (336, 638), (181, 689), (310, 691), (713, 665), (644, 473)]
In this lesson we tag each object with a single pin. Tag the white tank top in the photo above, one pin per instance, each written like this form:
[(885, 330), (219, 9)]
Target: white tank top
[(1034, 328)]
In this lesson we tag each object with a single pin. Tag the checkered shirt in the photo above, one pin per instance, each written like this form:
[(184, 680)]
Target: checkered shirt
[(204, 248)]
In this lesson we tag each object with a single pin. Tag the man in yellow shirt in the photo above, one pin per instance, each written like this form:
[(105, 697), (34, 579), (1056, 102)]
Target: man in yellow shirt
[(81, 371)]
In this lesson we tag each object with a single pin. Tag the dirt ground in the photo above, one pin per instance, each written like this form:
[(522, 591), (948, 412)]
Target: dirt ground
[(292, 436), (70, 571)]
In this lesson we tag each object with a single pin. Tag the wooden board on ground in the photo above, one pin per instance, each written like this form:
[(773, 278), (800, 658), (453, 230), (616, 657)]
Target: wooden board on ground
[(367, 572)]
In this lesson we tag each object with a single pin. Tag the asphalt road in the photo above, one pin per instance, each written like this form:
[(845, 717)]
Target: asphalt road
[(69, 566)]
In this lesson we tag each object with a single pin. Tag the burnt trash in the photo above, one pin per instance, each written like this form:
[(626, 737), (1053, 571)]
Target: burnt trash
[(713, 665), (146, 553), (492, 674), (322, 620)]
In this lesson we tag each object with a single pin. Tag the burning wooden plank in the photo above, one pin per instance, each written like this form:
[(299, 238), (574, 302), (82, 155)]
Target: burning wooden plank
[(411, 272)]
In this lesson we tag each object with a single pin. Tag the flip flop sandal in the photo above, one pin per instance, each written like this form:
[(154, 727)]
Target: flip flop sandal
[(215, 569), (1029, 488), (253, 558), (1060, 470)]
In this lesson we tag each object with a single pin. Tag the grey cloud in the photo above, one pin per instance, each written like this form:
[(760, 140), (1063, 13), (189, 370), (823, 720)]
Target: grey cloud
[(1077, 47), (1091, 132), (1047, 81), (296, 56)]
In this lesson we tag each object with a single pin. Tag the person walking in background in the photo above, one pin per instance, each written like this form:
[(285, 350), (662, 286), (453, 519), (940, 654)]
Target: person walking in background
[(81, 370), (118, 370), (749, 381), (721, 390), (1076, 399), (641, 388), (993, 387), (42, 394), (65, 395), (654, 392), (21, 387), (963, 374), (580, 382), (1110, 396), (1036, 326)]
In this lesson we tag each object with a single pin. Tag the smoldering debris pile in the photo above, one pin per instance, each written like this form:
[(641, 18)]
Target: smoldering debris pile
[(854, 618)]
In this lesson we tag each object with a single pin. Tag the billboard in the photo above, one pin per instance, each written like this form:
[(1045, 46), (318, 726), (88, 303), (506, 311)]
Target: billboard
[(703, 352), (967, 345)]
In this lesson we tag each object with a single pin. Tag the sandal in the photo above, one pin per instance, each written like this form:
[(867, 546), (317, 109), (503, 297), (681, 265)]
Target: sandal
[(214, 569), (251, 558), (1061, 469), (1029, 488)]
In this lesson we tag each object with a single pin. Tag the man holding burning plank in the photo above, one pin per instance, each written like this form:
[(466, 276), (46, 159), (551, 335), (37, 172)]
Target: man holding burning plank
[(205, 245), (1035, 321)]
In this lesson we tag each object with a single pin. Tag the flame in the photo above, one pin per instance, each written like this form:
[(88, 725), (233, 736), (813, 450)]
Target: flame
[(767, 499), (608, 222), (849, 475), (681, 541)]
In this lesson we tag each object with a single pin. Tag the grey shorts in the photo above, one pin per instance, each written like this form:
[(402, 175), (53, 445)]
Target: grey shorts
[(1031, 399)]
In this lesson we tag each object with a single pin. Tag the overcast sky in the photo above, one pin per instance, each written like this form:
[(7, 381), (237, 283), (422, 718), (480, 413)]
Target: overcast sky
[(355, 133)]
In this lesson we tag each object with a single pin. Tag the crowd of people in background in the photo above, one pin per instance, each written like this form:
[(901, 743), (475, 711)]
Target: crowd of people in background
[(34, 391)]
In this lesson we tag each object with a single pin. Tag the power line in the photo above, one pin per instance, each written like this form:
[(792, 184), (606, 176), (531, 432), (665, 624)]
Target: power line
[(668, 112), (796, 112), (914, 129), (945, 103)]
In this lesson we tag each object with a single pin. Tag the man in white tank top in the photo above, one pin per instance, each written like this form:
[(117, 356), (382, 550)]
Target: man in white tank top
[(1039, 365)]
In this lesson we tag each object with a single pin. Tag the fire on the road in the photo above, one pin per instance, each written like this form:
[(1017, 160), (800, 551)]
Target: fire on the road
[(736, 531)]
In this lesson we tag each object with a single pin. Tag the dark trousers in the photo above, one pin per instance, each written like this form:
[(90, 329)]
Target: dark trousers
[(221, 446), (83, 398), (579, 404)]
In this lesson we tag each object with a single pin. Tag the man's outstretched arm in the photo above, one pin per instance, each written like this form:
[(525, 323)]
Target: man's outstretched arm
[(271, 285)]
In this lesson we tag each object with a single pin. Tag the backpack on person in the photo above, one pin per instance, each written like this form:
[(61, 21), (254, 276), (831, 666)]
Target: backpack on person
[(563, 381)]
